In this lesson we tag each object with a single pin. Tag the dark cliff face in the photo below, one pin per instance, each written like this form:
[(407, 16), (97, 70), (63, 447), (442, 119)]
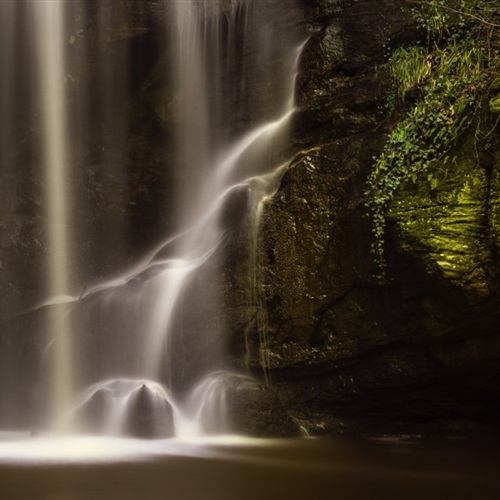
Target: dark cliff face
[(351, 351), (119, 114)]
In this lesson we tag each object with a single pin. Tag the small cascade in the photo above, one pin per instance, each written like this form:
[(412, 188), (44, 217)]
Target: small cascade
[(207, 410), (231, 403), (124, 407), (218, 164)]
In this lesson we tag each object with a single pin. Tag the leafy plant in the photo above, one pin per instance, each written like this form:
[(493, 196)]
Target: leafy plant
[(409, 68), (447, 79)]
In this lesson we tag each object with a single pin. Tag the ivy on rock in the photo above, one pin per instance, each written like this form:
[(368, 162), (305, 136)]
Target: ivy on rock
[(437, 89)]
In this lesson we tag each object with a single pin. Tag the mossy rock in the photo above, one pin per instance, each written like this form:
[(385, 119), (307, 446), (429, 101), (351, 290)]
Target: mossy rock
[(446, 228), (494, 91)]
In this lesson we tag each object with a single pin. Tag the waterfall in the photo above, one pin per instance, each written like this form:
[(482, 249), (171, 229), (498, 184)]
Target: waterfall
[(6, 61), (149, 354), (50, 39)]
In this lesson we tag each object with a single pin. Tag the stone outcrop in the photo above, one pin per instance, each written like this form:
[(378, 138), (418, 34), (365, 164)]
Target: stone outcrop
[(237, 404), (351, 351)]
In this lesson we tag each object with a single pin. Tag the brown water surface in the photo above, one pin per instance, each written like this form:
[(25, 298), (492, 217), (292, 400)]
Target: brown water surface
[(312, 469)]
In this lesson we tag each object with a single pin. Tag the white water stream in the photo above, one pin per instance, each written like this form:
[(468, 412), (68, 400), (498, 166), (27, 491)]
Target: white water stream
[(51, 41), (144, 316)]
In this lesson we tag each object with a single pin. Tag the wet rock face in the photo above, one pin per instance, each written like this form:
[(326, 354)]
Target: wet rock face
[(256, 410), (351, 352), (127, 18), (339, 89)]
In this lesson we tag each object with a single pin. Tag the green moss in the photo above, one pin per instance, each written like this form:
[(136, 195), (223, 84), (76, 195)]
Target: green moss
[(495, 104), (447, 229), (494, 215)]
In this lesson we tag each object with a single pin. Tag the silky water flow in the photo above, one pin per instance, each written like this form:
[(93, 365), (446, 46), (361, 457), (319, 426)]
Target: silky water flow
[(143, 354)]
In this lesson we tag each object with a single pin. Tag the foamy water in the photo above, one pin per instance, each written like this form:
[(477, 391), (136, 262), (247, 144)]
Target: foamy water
[(16, 447)]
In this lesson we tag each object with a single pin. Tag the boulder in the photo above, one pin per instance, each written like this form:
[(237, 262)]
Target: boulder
[(125, 408), (148, 415), (237, 404)]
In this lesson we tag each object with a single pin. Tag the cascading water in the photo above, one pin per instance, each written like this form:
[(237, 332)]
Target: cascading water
[(149, 346), (50, 40)]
